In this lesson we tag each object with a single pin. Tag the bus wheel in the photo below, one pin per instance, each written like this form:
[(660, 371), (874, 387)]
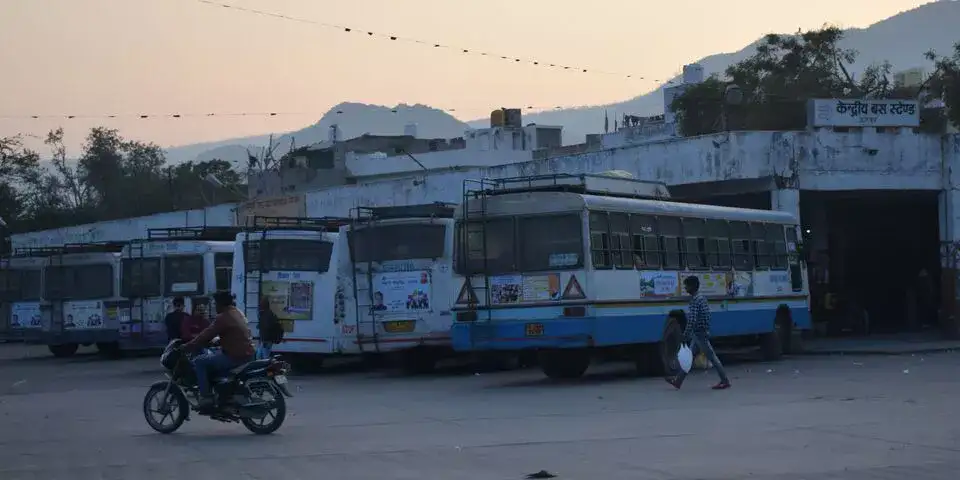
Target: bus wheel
[(771, 345), (418, 361), (564, 363), (670, 344), (64, 350)]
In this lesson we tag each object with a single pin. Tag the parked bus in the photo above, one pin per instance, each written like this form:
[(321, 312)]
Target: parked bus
[(296, 264), (399, 290), (188, 262), (571, 265), (81, 298), (21, 289)]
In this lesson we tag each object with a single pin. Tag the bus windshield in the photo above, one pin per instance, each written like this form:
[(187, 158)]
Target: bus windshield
[(140, 277), (290, 255), (520, 244), (20, 285), (183, 275), (79, 282), (384, 243)]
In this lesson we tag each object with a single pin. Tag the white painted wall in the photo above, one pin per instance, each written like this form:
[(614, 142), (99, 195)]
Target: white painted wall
[(372, 165), (820, 160), (127, 229)]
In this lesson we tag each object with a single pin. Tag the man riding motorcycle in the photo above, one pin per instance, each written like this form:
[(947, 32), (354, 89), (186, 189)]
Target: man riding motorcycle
[(236, 346)]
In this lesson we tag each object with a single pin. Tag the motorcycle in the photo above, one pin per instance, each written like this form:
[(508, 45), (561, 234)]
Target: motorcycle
[(253, 394)]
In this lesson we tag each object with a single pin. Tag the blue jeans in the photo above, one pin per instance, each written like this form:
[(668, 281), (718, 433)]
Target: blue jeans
[(701, 343), (265, 350), (212, 364)]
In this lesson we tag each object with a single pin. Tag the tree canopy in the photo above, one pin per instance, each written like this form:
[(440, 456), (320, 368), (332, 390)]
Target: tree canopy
[(787, 70), (111, 178)]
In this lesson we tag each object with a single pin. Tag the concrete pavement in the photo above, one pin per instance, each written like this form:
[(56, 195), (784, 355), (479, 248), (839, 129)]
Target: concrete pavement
[(810, 417)]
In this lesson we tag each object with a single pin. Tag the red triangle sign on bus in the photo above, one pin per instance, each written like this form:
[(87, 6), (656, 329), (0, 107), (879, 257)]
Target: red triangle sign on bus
[(573, 290), (467, 296)]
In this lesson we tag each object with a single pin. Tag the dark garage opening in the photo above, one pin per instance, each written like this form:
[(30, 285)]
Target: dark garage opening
[(878, 245)]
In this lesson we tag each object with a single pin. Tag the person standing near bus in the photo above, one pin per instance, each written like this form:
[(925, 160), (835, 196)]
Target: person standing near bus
[(697, 334), (175, 319), (270, 328)]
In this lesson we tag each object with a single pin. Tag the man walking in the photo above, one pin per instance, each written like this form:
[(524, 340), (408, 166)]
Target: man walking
[(697, 334), (270, 327)]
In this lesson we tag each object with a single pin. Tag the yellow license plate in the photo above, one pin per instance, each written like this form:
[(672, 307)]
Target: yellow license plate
[(534, 329), (399, 326)]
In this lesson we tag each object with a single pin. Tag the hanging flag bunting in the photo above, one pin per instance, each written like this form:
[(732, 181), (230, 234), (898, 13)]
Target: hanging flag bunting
[(467, 295), (573, 291), (433, 44)]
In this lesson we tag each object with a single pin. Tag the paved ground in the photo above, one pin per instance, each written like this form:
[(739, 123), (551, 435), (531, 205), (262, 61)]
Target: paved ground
[(812, 417)]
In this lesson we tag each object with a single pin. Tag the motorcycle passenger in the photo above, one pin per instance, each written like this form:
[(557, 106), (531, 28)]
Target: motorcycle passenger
[(192, 325), (236, 344)]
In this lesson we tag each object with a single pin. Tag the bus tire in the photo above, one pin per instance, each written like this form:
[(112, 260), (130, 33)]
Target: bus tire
[(63, 350), (564, 364), (771, 346), (784, 321), (670, 343)]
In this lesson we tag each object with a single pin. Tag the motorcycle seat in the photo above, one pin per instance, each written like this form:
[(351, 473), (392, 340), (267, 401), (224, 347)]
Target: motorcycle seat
[(250, 366)]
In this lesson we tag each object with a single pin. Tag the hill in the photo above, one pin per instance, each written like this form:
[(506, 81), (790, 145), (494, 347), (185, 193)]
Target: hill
[(902, 40)]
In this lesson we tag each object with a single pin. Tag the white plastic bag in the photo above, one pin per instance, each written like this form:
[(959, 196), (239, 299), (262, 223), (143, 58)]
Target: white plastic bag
[(685, 358)]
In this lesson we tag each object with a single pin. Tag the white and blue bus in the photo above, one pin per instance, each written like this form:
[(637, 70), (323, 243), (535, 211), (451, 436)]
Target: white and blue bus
[(21, 289), (572, 265)]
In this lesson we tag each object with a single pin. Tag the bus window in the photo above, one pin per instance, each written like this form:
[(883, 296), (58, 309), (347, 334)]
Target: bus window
[(140, 277), (79, 282), (496, 257), (777, 245), (600, 240), (383, 243), (718, 244), (30, 285), (620, 245), (223, 270), (740, 241), (646, 245), (670, 241), (183, 275), (251, 256), (296, 255), (553, 242), (694, 242), (761, 250)]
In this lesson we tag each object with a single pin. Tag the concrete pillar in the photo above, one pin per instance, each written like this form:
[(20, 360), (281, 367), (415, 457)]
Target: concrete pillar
[(949, 213)]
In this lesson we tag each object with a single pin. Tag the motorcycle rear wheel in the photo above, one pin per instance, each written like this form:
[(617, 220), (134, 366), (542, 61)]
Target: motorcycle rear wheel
[(175, 406)]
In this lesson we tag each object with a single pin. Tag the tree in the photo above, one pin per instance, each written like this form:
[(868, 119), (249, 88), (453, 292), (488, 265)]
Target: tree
[(18, 166), (776, 81), (944, 83)]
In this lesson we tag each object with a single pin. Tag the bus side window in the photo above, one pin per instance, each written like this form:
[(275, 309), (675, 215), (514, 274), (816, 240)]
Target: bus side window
[(646, 244), (620, 245), (600, 239), (670, 238), (223, 270), (742, 251), (718, 244), (777, 244), (694, 242), (761, 249)]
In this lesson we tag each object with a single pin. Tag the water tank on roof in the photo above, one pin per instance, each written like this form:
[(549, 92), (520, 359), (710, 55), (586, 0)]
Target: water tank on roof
[(512, 117), (496, 118)]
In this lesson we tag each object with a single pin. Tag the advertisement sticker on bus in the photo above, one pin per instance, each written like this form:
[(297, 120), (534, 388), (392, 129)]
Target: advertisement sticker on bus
[(656, 283), (84, 315), (291, 300), (402, 291), (25, 315)]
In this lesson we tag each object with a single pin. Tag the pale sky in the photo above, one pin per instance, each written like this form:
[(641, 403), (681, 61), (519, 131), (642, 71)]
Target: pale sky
[(100, 57)]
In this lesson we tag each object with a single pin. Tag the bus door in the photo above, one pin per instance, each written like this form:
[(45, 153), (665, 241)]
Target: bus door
[(141, 285)]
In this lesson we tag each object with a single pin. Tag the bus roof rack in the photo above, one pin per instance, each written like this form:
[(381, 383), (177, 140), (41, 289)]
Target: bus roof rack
[(584, 183), (209, 233), (323, 224), (93, 247), (426, 210)]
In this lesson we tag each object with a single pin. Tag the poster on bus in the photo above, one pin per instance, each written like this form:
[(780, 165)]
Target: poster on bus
[(25, 315), (401, 291), (657, 283), (290, 300)]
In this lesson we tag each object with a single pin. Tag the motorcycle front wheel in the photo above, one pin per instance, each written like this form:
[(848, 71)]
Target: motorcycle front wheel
[(273, 415), (165, 408)]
